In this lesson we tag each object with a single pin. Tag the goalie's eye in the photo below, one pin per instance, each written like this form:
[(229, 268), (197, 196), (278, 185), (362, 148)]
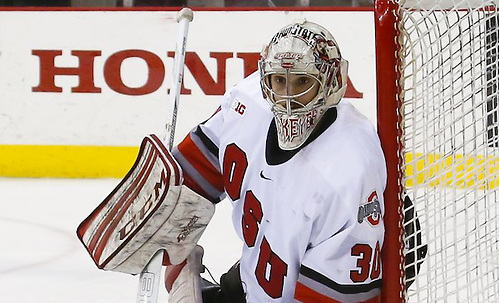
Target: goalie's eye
[(303, 80), (278, 80)]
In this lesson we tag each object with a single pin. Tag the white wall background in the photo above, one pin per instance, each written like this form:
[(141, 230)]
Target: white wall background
[(111, 118)]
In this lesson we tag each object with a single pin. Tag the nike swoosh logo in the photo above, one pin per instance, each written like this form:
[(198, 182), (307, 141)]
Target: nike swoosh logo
[(263, 177)]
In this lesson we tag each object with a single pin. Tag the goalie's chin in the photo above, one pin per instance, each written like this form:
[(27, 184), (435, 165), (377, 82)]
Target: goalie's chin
[(294, 130)]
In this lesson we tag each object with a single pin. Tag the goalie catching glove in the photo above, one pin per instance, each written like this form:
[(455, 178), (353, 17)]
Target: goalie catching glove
[(149, 210)]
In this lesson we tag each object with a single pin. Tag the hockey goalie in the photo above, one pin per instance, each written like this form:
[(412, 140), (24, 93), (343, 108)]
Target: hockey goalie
[(305, 174)]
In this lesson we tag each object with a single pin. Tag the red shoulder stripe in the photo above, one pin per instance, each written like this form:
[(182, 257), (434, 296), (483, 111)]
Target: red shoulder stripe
[(197, 159), (189, 182)]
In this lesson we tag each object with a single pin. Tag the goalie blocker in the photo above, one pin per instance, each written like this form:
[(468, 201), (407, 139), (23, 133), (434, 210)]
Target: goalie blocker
[(150, 210)]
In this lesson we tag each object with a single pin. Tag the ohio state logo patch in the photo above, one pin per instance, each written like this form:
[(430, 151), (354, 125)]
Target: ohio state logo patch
[(371, 211)]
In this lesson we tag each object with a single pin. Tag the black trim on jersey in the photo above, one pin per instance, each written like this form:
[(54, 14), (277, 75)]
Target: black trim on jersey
[(275, 155), (344, 289), (212, 148), (216, 111)]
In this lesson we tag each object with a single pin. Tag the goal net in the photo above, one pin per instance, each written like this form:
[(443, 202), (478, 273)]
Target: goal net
[(438, 83)]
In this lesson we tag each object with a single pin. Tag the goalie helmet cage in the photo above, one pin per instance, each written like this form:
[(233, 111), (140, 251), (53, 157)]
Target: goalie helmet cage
[(437, 86)]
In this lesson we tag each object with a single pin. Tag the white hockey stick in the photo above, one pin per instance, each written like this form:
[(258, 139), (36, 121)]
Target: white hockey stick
[(184, 16), (151, 275)]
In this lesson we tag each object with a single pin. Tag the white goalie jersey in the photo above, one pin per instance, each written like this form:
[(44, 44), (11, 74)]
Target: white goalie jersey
[(310, 219)]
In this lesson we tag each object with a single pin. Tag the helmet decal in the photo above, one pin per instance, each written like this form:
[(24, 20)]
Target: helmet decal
[(297, 30)]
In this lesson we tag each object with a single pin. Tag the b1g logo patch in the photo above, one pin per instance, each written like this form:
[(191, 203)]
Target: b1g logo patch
[(238, 107), (371, 211)]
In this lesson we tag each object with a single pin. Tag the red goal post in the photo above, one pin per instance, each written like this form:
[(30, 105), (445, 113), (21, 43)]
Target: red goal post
[(437, 103), (388, 91)]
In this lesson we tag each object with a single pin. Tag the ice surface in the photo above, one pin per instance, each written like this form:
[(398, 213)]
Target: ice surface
[(42, 260)]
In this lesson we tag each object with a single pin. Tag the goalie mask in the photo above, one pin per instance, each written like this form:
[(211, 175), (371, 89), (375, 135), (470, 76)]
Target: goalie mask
[(302, 74)]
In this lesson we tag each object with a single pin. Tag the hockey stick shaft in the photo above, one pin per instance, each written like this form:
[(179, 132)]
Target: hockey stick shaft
[(151, 274), (184, 17)]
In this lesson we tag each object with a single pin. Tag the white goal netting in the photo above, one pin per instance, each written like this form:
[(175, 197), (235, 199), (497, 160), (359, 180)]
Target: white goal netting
[(450, 81)]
